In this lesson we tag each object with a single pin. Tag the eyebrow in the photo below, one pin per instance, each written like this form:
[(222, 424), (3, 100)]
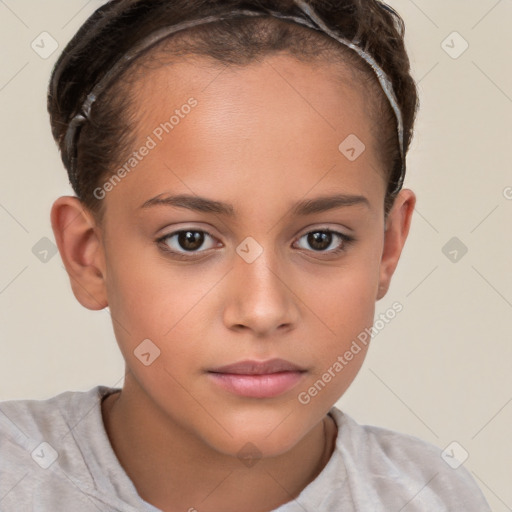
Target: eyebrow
[(302, 208)]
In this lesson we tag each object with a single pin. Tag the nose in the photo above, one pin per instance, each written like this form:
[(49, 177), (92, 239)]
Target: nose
[(260, 297)]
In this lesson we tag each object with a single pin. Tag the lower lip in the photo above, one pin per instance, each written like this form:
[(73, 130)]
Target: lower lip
[(257, 386)]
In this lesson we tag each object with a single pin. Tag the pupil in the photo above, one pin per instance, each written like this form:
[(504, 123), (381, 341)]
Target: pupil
[(189, 241), (323, 239)]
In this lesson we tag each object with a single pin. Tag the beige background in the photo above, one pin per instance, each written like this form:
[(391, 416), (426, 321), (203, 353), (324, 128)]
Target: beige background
[(441, 370)]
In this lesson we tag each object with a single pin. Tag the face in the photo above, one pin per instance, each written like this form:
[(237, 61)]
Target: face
[(267, 275)]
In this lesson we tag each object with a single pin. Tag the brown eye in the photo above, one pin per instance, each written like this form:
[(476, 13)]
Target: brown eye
[(185, 241), (190, 240), (321, 240)]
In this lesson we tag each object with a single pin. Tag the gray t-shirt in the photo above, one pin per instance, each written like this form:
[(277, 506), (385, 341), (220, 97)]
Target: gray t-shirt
[(55, 455)]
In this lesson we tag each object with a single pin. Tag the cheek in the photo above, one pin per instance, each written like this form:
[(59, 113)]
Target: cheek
[(154, 314), (343, 299), (346, 303), (143, 299), (346, 309), (169, 304), (343, 302)]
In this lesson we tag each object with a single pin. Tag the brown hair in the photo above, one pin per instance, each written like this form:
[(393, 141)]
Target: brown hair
[(113, 29)]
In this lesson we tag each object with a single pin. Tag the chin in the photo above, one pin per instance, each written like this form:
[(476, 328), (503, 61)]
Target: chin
[(251, 445), (265, 434)]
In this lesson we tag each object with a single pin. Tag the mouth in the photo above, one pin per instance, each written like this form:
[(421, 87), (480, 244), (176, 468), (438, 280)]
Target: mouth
[(258, 379)]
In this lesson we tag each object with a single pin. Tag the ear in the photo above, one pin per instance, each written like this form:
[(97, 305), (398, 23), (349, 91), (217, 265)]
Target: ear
[(395, 235), (79, 241)]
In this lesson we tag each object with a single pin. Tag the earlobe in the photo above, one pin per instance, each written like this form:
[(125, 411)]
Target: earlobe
[(81, 250), (397, 229)]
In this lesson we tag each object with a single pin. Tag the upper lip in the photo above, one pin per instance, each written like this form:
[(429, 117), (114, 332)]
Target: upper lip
[(249, 367)]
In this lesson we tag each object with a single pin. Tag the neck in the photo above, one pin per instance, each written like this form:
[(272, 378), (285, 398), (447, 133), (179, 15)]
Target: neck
[(174, 470)]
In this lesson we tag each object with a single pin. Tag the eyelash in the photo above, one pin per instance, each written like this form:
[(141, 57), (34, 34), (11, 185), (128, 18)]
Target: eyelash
[(347, 240)]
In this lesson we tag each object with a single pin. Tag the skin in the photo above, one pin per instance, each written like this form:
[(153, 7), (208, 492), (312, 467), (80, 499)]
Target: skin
[(261, 138)]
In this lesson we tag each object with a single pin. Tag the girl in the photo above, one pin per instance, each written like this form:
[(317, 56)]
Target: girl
[(238, 171)]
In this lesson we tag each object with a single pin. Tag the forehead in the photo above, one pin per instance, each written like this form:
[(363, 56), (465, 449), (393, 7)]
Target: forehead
[(318, 85), (266, 129)]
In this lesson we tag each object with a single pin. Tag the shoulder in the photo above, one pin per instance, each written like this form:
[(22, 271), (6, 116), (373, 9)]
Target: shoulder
[(22, 422), (37, 443), (385, 466)]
